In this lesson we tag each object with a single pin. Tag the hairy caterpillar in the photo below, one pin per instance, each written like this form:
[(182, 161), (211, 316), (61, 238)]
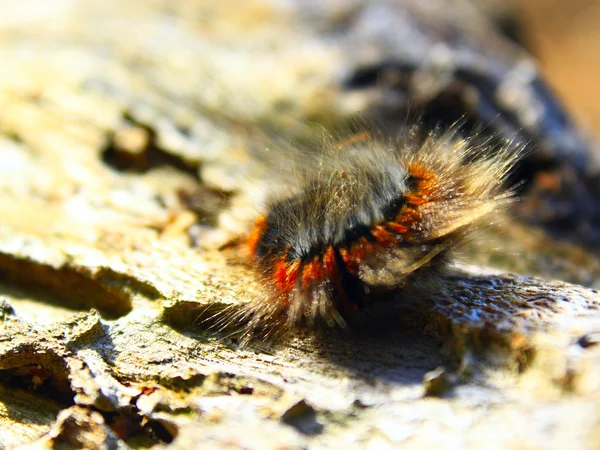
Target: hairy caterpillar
[(365, 218)]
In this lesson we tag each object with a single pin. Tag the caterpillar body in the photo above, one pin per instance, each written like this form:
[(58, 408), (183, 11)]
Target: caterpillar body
[(366, 218)]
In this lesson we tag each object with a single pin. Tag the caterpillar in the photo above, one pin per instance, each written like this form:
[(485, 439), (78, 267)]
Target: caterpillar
[(366, 217)]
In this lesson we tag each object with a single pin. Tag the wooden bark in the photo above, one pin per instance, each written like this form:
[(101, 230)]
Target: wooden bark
[(111, 113)]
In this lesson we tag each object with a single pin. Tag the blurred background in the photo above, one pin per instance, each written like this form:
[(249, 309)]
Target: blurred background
[(564, 36)]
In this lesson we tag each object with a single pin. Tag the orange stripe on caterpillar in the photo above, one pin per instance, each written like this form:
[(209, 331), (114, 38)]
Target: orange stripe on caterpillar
[(254, 237), (286, 275), (383, 236)]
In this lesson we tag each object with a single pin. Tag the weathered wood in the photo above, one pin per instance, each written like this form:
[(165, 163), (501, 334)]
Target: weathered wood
[(112, 116)]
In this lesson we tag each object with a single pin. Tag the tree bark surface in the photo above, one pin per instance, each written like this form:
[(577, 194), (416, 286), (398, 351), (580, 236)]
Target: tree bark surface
[(111, 115)]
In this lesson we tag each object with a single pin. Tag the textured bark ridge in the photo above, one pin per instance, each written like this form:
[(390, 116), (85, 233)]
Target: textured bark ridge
[(134, 139)]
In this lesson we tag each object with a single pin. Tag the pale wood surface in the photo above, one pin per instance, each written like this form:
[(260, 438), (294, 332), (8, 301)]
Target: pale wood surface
[(100, 290)]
